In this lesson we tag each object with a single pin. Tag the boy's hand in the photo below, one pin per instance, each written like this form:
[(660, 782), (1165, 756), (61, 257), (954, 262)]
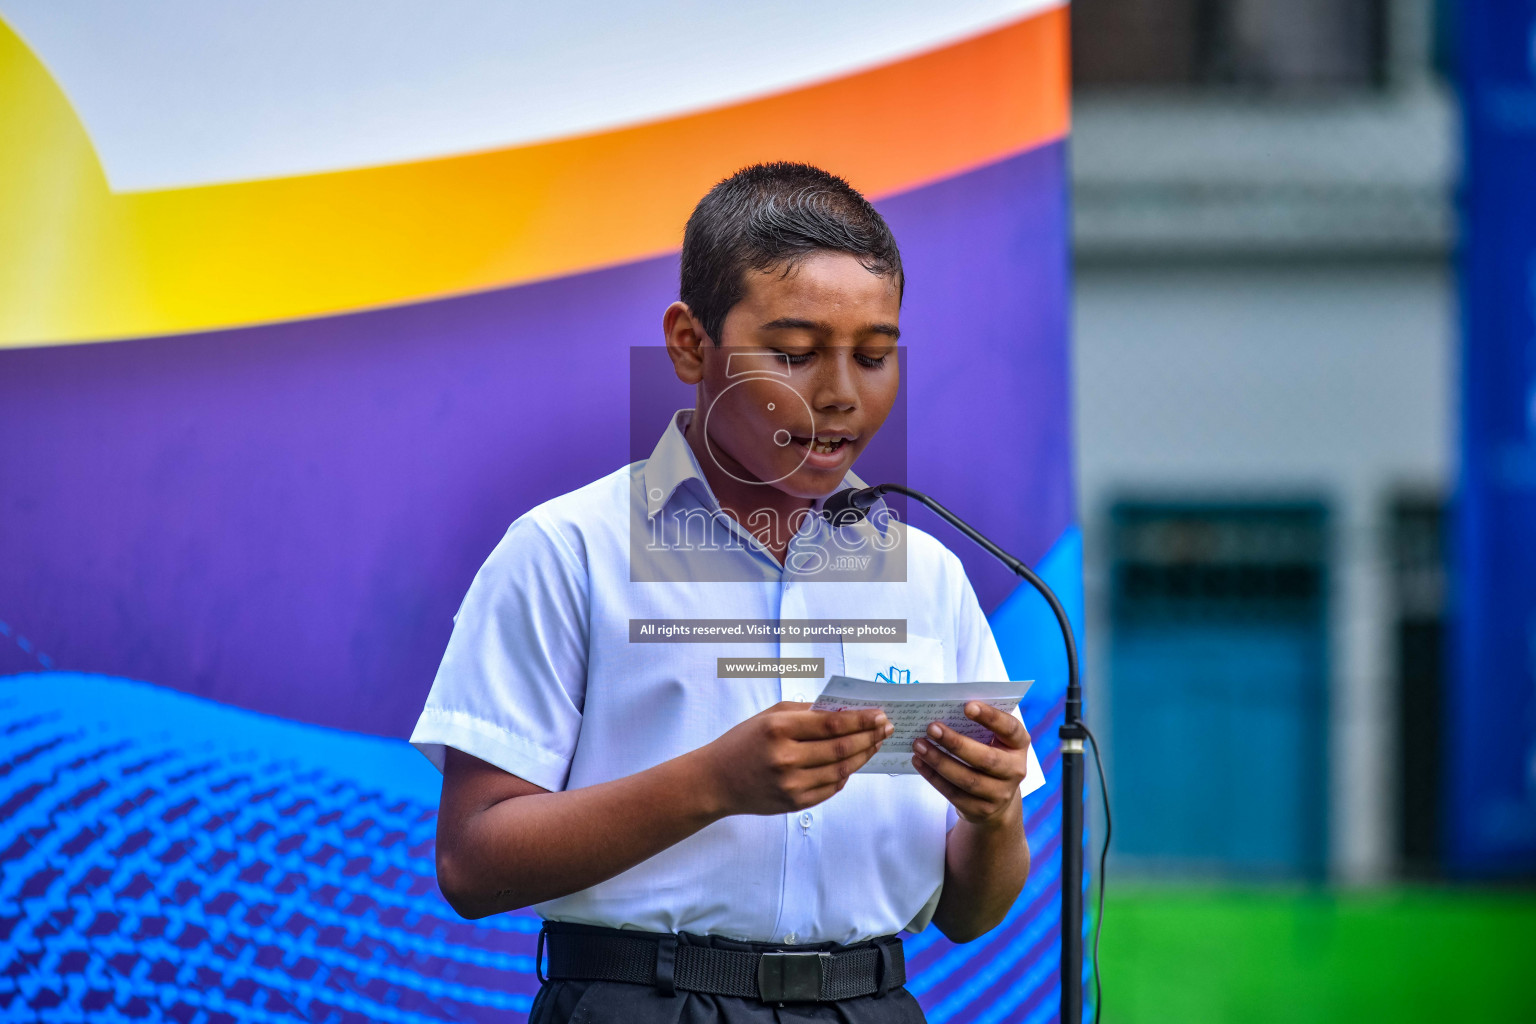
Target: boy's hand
[(790, 757), (986, 786)]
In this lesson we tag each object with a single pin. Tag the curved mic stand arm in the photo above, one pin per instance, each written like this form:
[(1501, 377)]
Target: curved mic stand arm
[(1072, 734), (1074, 708)]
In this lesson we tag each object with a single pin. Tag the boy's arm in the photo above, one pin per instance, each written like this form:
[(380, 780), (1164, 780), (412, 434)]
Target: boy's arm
[(986, 857), (504, 843)]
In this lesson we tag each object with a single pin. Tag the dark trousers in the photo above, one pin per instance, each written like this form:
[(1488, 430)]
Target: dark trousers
[(617, 1002)]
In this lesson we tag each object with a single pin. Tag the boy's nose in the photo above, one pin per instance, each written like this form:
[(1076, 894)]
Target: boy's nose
[(835, 387)]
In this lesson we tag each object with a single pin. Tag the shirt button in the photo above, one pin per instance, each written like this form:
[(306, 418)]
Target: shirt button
[(791, 939), (805, 819)]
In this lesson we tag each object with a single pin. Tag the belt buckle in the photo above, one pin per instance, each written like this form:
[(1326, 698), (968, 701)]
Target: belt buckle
[(790, 977)]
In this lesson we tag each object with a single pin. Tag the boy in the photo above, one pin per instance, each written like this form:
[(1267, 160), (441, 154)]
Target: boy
[(681, 831)]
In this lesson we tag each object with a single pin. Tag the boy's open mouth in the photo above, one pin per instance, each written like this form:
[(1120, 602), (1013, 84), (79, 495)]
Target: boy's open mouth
[(822, 445)]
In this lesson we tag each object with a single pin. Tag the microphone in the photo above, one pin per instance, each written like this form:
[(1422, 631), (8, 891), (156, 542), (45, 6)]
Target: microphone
[(849, 506)]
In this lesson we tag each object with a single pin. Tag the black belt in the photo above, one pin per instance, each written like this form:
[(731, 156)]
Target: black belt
[(585, 953)]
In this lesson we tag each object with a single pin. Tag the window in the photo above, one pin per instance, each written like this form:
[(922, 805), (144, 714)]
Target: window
[(1218, 671), (1276, 44)]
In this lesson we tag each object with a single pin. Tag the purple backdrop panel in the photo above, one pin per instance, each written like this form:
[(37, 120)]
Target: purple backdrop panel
[(986, 320), (286, 517)]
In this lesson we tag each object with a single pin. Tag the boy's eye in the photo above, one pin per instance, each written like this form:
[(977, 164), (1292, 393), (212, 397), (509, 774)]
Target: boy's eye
[(801, 358)]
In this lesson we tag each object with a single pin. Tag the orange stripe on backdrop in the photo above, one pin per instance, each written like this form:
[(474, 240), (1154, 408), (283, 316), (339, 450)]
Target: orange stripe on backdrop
[(101, 266)]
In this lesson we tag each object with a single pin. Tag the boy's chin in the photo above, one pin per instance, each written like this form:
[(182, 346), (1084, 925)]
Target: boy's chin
[(812, 484)]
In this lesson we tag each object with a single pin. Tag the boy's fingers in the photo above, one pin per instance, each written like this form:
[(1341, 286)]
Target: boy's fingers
[(781, 707), (966, 778), (981, 756), (1005, 727), (812, 725), (835, 772), (962, 800), (862, 758), (820, 793), (815, 753)]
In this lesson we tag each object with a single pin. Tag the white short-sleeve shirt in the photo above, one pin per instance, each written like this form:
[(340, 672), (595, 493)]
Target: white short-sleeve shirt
[(541, 679)]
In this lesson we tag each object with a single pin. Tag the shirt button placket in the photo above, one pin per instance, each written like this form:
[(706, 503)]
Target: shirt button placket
[(797, 913)]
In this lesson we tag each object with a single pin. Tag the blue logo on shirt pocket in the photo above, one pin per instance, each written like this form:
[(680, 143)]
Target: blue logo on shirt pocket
[(917, 659)]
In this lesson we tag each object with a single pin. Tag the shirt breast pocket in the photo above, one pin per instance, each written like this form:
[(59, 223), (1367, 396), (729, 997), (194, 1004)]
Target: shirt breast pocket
[(901, 821), (922, 659)]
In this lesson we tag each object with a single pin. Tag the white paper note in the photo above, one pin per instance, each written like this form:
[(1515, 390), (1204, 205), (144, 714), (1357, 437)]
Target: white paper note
[(912, 706)]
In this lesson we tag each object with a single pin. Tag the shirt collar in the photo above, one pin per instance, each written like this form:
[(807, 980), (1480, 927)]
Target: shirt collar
[(673, 464)]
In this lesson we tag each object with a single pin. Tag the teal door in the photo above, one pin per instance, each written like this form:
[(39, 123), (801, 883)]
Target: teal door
[(1218, 668)]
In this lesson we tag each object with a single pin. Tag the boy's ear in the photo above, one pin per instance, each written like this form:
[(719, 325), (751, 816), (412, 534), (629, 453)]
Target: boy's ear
[(686, 342)]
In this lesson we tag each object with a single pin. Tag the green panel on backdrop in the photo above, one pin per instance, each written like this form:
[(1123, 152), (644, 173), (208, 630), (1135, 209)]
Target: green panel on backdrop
[(1286, 956)]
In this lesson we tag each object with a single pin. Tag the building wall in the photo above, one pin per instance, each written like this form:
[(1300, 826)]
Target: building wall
[(1280, 378)]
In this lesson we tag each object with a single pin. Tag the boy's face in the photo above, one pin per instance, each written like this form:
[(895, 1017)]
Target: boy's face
[(804, 376)]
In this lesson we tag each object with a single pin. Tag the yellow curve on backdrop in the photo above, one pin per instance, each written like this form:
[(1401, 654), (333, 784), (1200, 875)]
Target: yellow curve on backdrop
[(79, 263)]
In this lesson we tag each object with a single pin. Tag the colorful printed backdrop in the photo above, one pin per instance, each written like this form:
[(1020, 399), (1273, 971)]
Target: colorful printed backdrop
[(299, 307)]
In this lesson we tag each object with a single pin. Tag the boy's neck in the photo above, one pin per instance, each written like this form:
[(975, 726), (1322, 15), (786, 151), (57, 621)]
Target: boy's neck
[(740, 500)]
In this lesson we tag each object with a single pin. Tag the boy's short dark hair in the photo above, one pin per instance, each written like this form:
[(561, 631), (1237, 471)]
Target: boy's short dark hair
[(772, 215)]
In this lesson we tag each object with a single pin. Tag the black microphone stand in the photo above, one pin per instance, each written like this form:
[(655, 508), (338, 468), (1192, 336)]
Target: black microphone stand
[(1072, 733)]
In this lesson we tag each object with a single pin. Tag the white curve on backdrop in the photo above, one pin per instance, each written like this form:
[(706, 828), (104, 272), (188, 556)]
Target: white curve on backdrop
[(178, 93)]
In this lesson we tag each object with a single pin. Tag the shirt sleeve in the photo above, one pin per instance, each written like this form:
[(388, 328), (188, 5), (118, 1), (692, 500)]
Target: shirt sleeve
[(977, 659), (513, 678)]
